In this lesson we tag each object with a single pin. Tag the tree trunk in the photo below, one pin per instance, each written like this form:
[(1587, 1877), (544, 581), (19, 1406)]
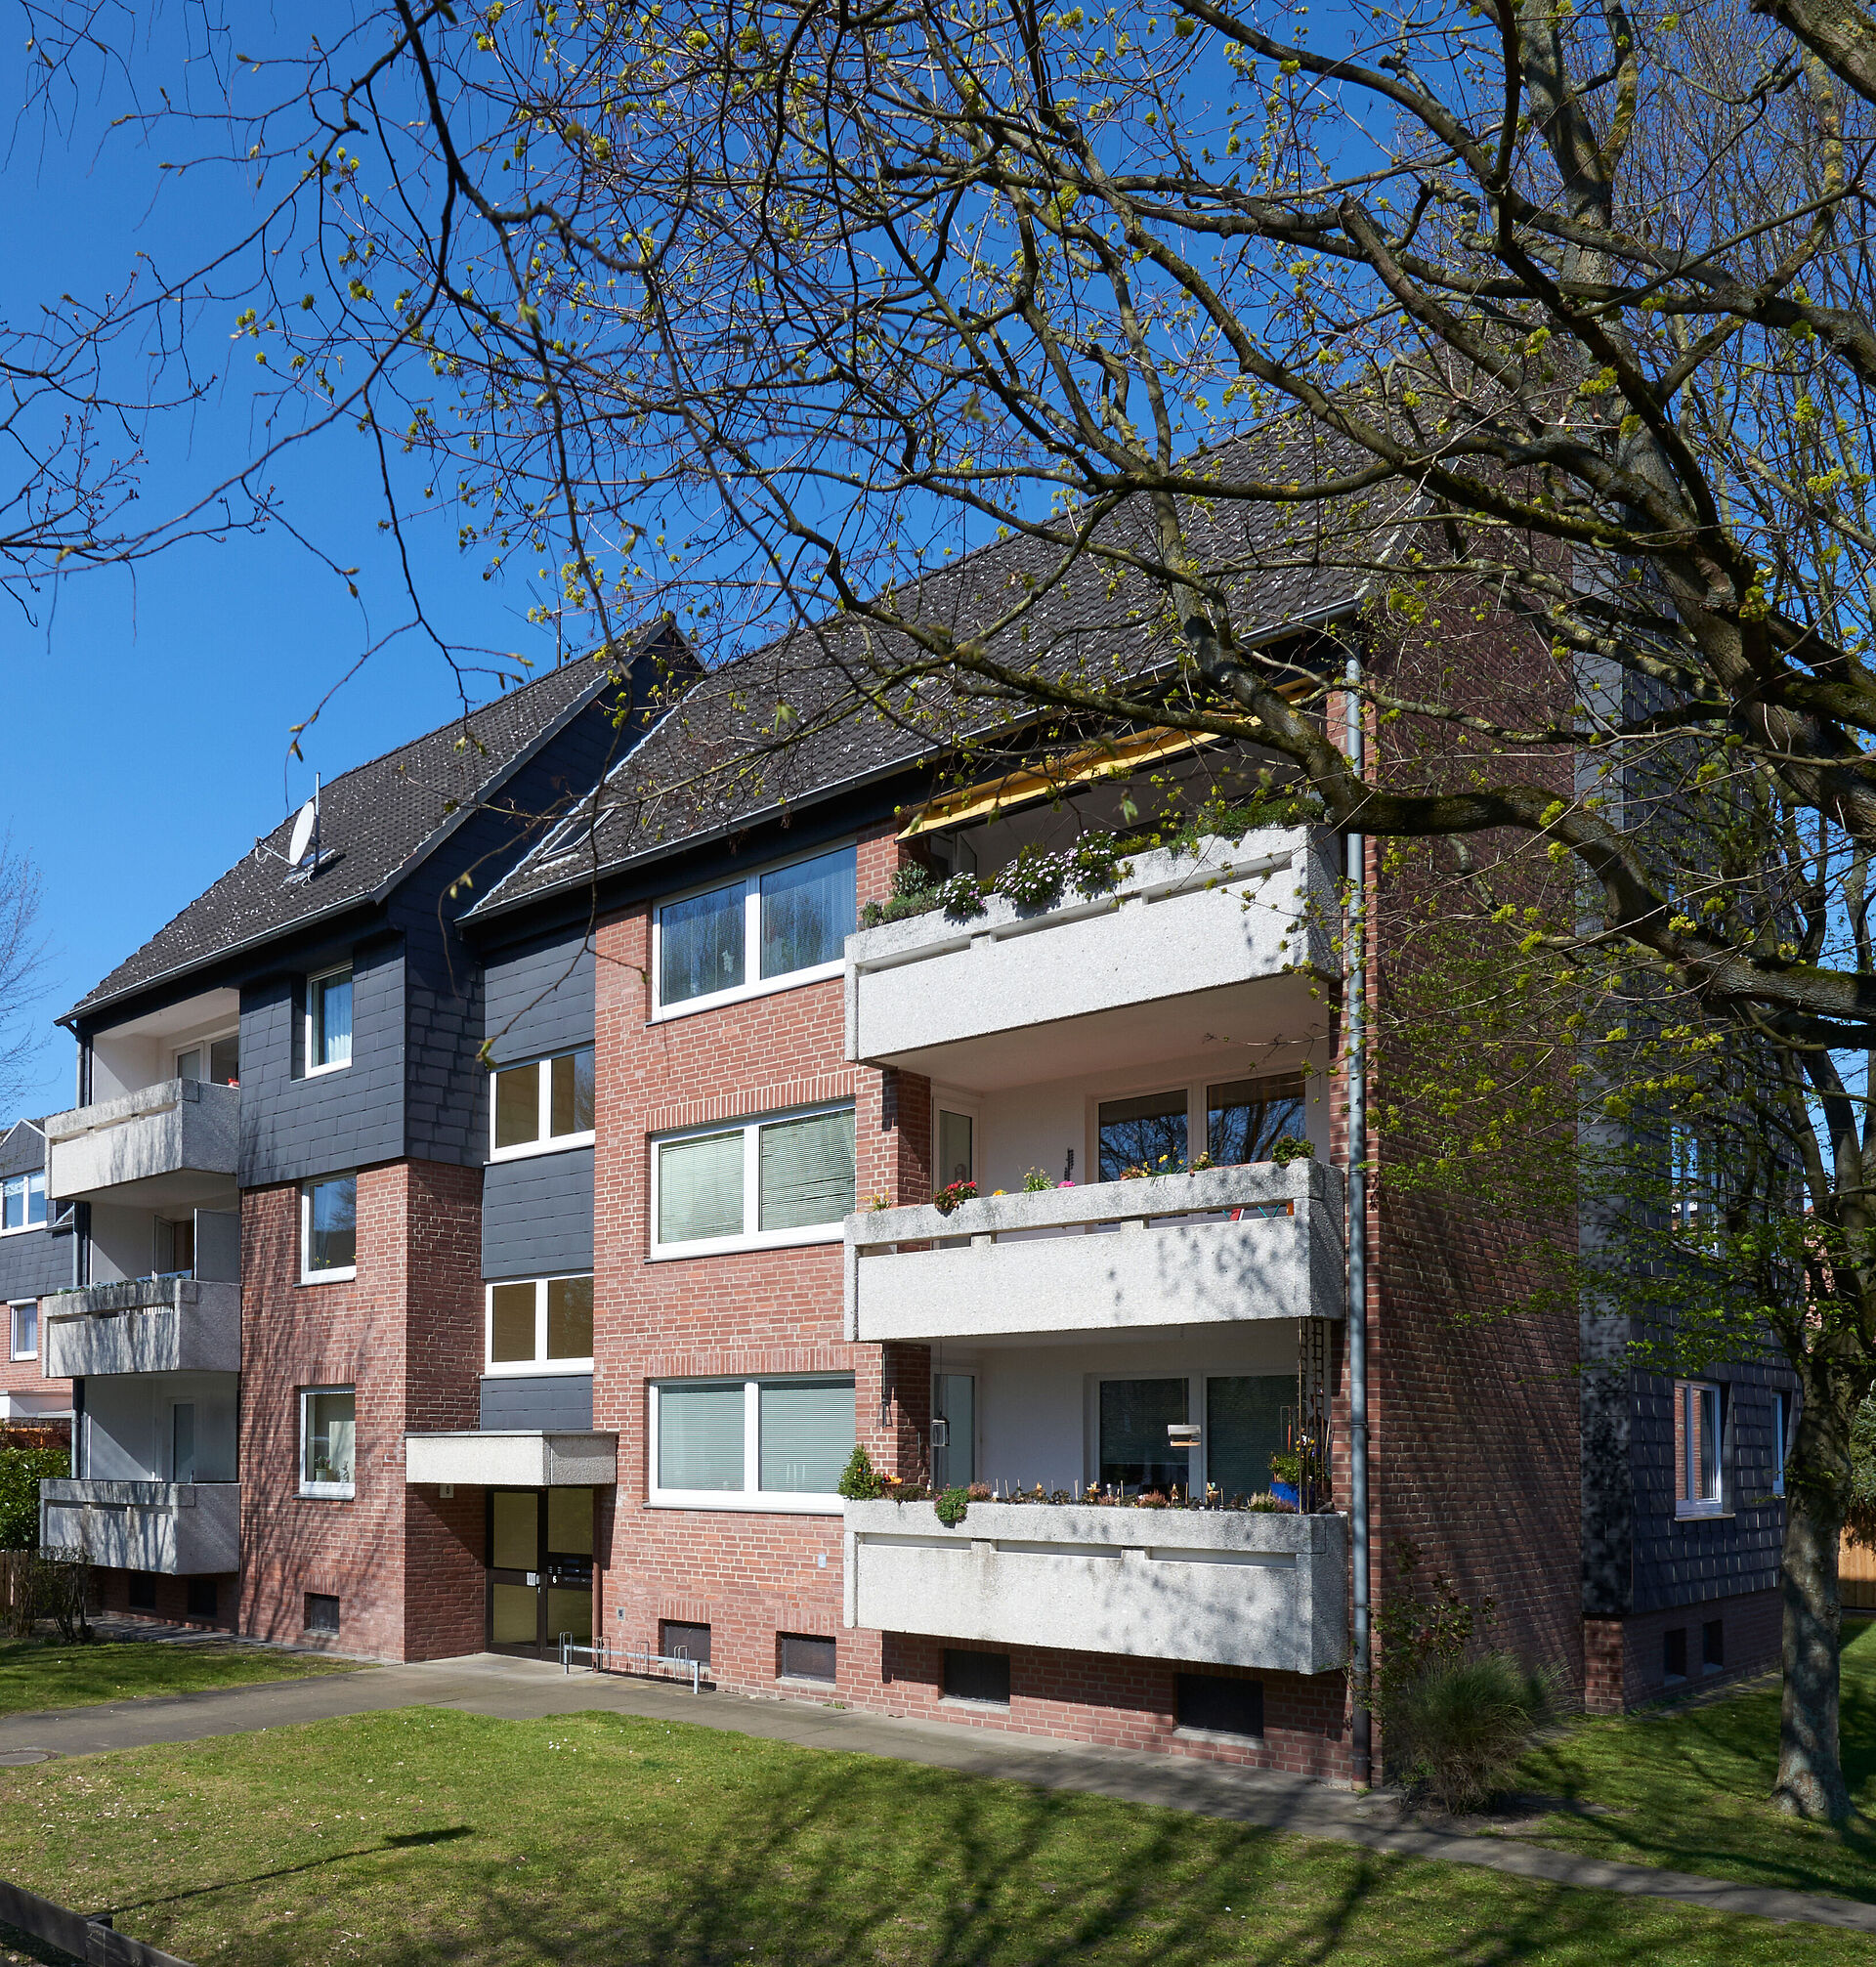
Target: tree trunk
[(1810, 1770)]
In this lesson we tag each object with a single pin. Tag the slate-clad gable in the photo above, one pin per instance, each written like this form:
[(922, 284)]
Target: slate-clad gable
[(539, 1000), (22, 1147)]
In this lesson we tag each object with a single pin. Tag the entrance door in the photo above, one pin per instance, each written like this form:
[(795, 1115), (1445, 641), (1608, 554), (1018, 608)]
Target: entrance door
[(540, 1569)]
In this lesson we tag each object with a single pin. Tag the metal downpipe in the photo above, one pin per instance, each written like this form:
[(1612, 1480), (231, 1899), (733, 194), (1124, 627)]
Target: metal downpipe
[(1355, 1052)]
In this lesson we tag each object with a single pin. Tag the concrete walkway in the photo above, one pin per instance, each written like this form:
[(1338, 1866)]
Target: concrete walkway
[(519, 1690)]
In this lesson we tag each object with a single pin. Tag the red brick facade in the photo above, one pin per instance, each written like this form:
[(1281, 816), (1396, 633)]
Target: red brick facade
[(407, 1333)]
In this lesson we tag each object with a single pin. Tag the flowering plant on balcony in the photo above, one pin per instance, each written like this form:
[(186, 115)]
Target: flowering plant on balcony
[(953, 1195), (1037, 1181), (1289, 1148)]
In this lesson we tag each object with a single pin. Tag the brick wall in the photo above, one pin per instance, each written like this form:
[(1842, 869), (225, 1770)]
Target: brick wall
[(407, 1333), (1629, 1655)]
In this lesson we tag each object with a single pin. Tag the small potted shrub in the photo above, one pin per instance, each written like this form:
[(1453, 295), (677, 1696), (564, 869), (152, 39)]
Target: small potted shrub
[(954, 1195)]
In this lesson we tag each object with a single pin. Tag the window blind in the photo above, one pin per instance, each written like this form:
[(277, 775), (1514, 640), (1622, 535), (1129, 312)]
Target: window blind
[(700, 1437), (700, 1189), (700, 945), (806, 1170), (806, 1432), (807, 913)]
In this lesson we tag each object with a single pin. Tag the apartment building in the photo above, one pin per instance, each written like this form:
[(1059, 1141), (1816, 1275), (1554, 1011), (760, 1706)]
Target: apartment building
[(463, 1263), (36, 1257)]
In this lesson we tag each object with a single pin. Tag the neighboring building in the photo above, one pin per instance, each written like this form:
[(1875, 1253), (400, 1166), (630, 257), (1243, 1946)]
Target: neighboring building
[(36, 1257), (382, 1345)]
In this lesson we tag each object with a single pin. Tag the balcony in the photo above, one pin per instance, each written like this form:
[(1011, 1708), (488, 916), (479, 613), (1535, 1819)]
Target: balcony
[(1216, 1247), (513, 1459), (175, 1143), (1185, 945), (149, 1325), (179, 1528), (1221, 1587)]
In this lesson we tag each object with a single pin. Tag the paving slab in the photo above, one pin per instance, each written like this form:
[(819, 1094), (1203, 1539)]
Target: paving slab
[(521, 1690)]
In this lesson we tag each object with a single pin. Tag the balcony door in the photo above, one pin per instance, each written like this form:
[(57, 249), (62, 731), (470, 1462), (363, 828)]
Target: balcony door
[(540, 1569), (182, 1442), (954, 1430)]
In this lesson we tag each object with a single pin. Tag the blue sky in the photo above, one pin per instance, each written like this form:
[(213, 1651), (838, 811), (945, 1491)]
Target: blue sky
[(146, 724)]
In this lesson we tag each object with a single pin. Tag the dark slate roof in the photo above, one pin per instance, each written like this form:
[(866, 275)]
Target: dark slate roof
[(376, 824), (721, 759)]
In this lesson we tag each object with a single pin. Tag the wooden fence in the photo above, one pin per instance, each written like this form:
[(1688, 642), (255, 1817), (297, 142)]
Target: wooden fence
[(92, 1941), (17, 1594), (1857, 1568)]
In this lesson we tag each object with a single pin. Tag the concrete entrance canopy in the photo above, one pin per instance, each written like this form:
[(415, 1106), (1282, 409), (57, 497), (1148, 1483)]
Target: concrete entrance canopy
[(518, 1460)]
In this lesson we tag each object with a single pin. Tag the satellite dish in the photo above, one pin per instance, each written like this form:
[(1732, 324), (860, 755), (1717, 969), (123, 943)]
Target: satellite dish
[(305, 821)]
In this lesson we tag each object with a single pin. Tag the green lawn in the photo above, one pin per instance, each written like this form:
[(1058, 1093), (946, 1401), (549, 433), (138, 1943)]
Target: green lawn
[(1685, 1788), (37, 1676), (425, 1835)]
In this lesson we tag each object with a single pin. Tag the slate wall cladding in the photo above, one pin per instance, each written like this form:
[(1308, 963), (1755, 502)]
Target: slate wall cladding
[(293, 1127), (1688, 1561), (539, 1000), (546, 1401), (34, 1262), (537, 1215)]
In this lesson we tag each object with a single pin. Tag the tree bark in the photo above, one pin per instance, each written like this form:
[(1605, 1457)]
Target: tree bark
[(1810, 1770)]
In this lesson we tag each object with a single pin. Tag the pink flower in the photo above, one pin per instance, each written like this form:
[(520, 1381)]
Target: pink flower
[(1064, 1184)]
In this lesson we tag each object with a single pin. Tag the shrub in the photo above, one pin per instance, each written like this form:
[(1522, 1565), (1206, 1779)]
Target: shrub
[(950, 1508), (21, 1471), (1457, 1729), (860, 1482), (1289, 1148)]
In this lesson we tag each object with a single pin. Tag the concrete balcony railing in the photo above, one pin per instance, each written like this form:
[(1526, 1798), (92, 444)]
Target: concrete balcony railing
[(1213, 1248), (148, 1325), (965, 1001), (178, 1528), (1223, 1587), (178, 1141)]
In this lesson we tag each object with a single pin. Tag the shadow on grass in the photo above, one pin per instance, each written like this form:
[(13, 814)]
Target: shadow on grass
[(818, 1859), (1687, 1787)]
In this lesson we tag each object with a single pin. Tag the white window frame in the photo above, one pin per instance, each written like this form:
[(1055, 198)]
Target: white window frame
[(1198, 1119), (313, 985), (13, 1308), (769, 1502), (543, 1142), (540, 1364), (333, 1492), (751, 1238), (751, 886), (346, 1272), (202, 1045), (23, 1175)]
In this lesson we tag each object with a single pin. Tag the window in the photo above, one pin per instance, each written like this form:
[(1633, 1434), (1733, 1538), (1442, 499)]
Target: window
[(1220, 1705), (677, 1639), (23, 1200), (202, 1597), (788, 926), (1713, 1646), (1674, 1654), (1246, 1118), (761, 1184), (1135, 1450), (982, 1677), (548, 1102), (328, 1441), (329, 1229), (1137, 1132), (801, 1657), (215, 1059), (140, 1591), (957, 1159), (751, 1444), (954, 1430), (1697, 1441), (24, 1321), (322, 1613), (1780, 1440), (543, 1324), (328, 1021)]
